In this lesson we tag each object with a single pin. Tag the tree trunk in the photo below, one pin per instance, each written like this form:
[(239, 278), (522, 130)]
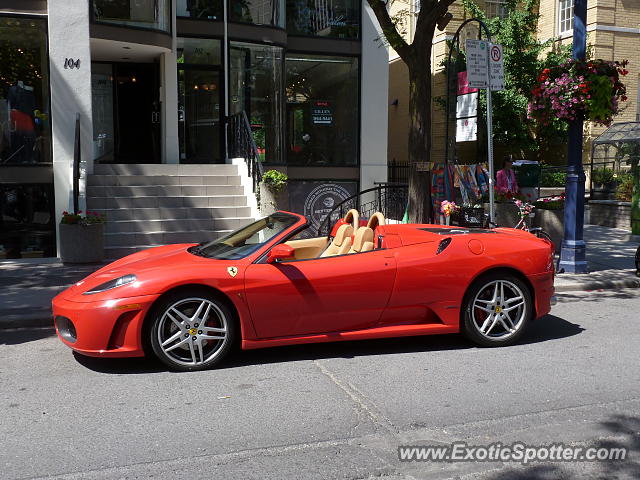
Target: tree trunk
[(420, 209)]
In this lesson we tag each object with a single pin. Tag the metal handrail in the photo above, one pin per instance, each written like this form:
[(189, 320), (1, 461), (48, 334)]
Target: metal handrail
[(77, 158), (243, 145), (383, 199)]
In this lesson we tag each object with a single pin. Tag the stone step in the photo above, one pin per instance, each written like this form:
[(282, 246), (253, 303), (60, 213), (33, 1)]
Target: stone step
[(101, 203), (160, 180), (133, 239), (166, 213), (164, 169), (175, 225), (164, 191)]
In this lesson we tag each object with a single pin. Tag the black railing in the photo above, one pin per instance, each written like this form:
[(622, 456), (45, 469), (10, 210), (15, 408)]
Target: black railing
[(390, 199), (398, 172), (242, 145), (77, 158)]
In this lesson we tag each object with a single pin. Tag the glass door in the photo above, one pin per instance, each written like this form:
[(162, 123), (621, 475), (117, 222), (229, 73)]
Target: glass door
[(199, 114)]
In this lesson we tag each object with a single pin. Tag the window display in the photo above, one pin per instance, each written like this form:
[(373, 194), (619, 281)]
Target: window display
[(322, 110), (200, 9), (24, 94)]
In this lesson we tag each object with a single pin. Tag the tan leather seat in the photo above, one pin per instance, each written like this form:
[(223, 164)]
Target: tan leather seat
[(363, 241), (341, 243), (375, 220), (353, 218)]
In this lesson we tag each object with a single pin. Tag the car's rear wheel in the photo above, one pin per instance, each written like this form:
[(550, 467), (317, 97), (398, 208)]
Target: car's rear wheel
[(192, 331), (497, 309)]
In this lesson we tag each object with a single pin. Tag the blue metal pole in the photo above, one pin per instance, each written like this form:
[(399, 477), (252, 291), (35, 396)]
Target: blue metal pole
[(573, 257)]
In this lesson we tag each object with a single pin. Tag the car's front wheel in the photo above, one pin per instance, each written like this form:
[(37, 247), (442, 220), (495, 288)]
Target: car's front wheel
[(497, 309), (192, 331)]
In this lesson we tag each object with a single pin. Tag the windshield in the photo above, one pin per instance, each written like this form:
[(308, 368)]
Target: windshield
[(246, 240)]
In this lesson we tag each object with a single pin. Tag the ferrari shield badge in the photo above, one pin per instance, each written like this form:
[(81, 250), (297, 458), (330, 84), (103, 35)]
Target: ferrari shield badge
[(233, 271)]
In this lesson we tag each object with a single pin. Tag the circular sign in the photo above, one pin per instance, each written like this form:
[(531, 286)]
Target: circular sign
[(321, 201), (496, 54)]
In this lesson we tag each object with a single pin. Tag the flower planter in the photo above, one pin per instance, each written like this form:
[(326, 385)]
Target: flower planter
[(271, 201), (82, 243), (552, 222)]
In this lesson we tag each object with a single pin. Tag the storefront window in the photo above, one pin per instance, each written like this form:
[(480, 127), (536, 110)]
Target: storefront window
[(324, 18), (255, 87), (258, 12), (201, 9), (27, 226), (322, 110), (25, 133), (199, 100), (151, 14)]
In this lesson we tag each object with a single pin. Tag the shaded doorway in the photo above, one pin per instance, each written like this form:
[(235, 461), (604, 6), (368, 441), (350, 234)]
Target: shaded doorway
[(126, 112)]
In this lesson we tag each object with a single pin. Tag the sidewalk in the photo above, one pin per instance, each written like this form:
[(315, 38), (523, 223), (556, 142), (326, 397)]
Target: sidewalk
[(26, 289)]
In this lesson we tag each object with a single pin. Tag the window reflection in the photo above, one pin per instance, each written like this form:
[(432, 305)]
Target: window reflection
[(151, 14), (202, 9), (322, 110), (255, 87), (324, 18), (258, 12)]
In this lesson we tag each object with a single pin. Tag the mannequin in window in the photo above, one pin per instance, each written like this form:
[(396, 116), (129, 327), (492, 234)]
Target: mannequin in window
[(22, 103)]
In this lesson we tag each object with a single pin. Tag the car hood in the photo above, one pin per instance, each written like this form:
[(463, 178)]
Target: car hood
[(144, 265)]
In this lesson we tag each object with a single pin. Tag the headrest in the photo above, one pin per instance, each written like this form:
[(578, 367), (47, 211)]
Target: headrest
[(353, 217), (364, 234), (344, 232), (377, 219)]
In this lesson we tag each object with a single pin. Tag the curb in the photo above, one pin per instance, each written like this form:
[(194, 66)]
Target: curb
[(599, 285), (38, 317)]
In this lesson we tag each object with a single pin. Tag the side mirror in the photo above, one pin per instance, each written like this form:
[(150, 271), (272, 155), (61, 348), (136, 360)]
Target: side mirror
[(279, 253)]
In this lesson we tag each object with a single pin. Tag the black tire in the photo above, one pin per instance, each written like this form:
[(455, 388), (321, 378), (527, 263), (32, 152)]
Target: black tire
[(203, 329), (477, 318)]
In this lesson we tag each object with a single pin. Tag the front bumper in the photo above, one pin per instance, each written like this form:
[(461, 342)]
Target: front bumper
[(106, 328)]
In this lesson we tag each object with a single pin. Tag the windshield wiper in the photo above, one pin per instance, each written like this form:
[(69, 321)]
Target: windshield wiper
[(197, 250)]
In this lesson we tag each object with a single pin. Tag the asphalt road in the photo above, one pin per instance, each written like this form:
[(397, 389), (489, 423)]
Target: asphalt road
[(330, 411)]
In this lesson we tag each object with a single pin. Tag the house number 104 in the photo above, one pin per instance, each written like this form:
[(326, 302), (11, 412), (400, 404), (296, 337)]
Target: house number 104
[(71, 63)]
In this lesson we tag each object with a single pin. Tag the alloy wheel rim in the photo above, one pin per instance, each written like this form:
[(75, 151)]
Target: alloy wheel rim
[(192, 331), (499, 310)]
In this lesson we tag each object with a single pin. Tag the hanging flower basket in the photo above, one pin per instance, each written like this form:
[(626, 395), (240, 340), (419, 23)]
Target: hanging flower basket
[(588, 87)]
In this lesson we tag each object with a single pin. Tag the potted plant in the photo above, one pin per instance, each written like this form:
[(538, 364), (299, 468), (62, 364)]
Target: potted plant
[(507, 213), (604, 182), (82, 237), (550, 217), (272, 189)]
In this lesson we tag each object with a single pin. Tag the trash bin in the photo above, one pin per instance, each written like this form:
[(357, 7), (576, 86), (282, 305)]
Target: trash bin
[(527, 173)]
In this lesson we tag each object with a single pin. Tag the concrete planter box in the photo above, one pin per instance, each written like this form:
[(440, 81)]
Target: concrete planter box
[(82, 243), (552, 222), (610, 213), (507, 214), (271, 202)]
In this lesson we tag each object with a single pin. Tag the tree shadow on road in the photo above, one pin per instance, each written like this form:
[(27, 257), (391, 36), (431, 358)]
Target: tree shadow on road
[(545, 329), (624, 432)]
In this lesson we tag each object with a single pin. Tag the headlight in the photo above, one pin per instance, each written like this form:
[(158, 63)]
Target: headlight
[(118, 282)]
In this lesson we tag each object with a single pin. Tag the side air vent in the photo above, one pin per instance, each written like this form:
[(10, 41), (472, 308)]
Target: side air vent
[(443, 244)]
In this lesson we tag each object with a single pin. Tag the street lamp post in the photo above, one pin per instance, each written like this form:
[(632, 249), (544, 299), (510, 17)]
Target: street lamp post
[(573, 252)]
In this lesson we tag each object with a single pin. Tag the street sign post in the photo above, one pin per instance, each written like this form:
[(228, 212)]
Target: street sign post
[(485, 69)]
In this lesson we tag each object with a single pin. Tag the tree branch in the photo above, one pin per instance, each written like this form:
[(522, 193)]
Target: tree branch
[(389, 29)]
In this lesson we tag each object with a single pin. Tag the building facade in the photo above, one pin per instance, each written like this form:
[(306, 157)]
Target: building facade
[(613, 33), (153, 85)]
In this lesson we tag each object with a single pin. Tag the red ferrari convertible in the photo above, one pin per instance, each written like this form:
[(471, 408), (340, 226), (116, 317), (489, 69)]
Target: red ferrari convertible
[(265, 285)]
